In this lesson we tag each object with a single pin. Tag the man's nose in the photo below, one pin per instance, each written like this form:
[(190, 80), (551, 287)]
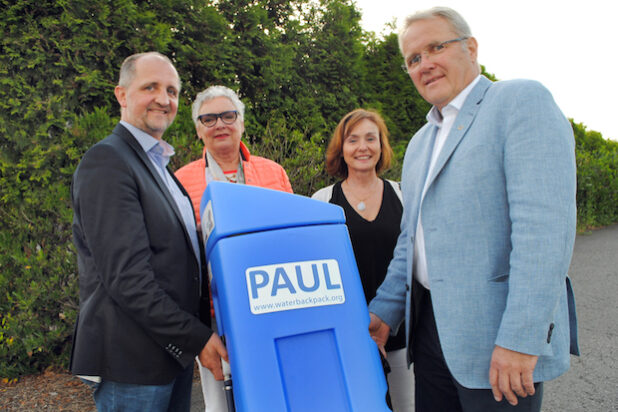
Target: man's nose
[(426, 61), (162, 98)]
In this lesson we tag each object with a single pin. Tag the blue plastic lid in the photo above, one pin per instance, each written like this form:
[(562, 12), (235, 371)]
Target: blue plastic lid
[(229, 209)]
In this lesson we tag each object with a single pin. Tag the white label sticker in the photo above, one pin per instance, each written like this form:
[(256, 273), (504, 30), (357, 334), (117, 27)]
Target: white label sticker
[(294, 285), (208, 222)]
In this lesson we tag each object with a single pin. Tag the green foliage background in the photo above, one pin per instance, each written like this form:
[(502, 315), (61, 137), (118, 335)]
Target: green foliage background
[(298, 65)]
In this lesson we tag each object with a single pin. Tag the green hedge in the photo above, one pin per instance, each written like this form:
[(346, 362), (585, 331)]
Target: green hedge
[(597, 178), (298, 65), (38, 279)]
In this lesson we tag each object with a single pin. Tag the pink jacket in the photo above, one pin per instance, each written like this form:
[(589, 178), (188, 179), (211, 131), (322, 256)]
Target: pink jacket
[(258, 171)]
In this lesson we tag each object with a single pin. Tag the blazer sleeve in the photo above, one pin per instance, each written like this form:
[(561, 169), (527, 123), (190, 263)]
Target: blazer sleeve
[(390, 301), (139, 268), (389, 304), (539, 170)]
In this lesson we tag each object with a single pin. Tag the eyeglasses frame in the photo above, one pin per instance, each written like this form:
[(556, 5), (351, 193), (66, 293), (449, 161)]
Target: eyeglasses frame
[(407, 69), (217, 117)]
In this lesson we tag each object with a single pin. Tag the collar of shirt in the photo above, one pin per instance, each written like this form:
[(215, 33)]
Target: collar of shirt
[(159, 150), (444, 121), (435, 117)]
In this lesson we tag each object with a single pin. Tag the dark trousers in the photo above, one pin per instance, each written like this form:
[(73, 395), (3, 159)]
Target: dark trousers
[(435, 388)]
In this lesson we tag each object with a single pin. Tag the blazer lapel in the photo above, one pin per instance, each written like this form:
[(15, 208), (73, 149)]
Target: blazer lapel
[(128, 138), (423, 146), (462, 124)]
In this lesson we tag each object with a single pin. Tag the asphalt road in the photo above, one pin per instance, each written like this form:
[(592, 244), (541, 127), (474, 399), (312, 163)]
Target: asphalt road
[(592, 382), (591, 385)]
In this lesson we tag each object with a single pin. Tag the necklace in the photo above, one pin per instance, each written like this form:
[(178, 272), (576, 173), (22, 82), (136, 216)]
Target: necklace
[(360, 205)]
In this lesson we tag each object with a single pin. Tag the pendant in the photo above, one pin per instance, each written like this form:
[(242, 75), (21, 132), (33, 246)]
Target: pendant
[(361, 206)]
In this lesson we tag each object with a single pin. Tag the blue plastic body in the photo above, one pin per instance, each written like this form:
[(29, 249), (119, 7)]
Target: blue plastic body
[(289, 301)]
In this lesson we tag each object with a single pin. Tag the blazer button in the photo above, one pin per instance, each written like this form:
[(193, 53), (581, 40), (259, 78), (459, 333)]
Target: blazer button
[(407, 287)]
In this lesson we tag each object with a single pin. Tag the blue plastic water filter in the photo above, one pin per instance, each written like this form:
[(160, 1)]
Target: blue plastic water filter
[(288, 298)]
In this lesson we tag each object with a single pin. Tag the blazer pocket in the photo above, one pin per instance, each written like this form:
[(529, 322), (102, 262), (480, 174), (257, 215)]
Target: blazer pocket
[(501, 277)]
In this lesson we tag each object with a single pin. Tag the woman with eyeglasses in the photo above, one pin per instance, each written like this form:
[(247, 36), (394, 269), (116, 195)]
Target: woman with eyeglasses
[(218, 115), (357, 153)]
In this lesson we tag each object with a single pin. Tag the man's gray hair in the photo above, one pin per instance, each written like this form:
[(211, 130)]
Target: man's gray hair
[(457, 22), (213, 92), (127, 70)]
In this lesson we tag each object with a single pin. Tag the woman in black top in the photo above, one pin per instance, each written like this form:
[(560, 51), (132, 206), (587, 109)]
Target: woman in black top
[(357, 153)]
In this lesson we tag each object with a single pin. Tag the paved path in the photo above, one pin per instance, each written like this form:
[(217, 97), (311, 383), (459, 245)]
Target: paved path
[(592, 382), (591, 385)]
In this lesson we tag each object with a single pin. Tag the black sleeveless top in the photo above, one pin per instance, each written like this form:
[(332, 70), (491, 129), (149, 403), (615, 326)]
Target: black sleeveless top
[(373, 244)]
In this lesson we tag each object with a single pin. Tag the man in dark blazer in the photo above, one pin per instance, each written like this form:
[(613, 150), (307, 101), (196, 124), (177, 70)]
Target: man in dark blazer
[(139, 257)]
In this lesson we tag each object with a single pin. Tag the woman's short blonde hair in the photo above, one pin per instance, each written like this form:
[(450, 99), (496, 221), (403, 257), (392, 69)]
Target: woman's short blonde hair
[(335, 165)]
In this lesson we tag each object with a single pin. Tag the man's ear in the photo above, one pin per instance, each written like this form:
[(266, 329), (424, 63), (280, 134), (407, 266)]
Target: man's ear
[(473, 48), (121, 96)]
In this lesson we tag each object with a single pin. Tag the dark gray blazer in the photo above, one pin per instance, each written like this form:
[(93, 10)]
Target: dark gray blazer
[(139, 278)]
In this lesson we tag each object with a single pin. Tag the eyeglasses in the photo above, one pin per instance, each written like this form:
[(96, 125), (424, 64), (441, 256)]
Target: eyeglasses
[(414, 61), (210, 119)]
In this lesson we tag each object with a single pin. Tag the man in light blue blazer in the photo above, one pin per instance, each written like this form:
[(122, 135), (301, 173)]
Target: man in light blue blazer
[(480, 269)]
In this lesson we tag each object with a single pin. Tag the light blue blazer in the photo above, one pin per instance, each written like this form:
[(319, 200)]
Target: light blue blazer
[(499, 222)]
